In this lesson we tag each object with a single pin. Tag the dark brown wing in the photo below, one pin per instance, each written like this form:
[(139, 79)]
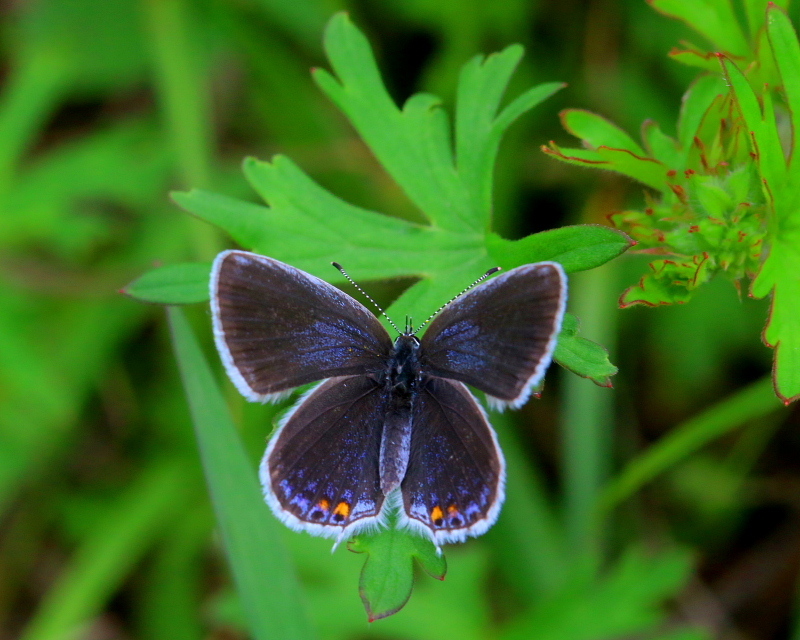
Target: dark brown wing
[(453, 487), (277, 327), (500, 336), (320, 472)]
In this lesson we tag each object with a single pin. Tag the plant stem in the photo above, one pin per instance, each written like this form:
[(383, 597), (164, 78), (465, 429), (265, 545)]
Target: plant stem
[(588, 414), (754, 401)]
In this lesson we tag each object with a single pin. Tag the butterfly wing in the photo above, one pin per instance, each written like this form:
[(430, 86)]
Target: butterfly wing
[(320, 472), (500, 336), (277, 327), (453, 487)]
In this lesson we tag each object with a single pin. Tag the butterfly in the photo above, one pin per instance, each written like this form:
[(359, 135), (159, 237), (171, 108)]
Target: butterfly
[(390, 426)]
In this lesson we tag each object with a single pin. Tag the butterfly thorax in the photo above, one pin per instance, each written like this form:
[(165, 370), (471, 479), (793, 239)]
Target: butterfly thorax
[(402, 381), (404, 366)]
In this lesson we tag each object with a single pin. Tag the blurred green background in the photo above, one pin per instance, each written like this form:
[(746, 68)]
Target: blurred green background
[(106, 528)]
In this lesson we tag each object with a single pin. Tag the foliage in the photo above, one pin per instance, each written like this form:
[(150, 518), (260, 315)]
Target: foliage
[(108, 525), (307, 226), (726, 195)]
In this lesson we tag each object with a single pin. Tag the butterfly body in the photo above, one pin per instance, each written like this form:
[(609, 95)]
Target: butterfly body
[(392, 424)]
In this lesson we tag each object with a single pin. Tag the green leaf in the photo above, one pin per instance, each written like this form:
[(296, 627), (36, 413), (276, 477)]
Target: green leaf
[(581, 356), (763, 129), (480, 89), (696, 102), (713, 19), (174, 284), (661, 147), (648, 171), (668, 282), (609, 148), (576, 248), (412, 144), (597, 132), (261, 569), (786, 51), (779, 275), (387, 576)]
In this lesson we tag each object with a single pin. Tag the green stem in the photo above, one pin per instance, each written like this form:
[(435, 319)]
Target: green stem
[(184, 97), (754, 401), (588, 414)]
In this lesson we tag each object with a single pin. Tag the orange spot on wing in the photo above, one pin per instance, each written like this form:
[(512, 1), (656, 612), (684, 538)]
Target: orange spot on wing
[(342, 509), (452, 510), (324, 504), (436, 515)]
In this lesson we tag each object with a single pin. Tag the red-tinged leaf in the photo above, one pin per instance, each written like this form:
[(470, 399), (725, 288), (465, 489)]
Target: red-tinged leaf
[(786, 50), (596, 131), (575, 156), (695, 58), (670, 282), (780, 275), (646, 170)]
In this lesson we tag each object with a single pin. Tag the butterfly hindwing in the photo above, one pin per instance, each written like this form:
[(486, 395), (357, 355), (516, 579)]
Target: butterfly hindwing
[(453, 486), (500, 336), (277, 327), (320, 472)]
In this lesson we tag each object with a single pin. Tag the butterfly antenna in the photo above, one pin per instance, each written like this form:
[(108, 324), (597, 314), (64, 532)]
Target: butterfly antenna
[(455, 297), (365, 294)]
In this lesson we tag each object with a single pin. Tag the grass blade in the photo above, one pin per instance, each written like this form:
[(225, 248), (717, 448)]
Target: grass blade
[(261, 569)]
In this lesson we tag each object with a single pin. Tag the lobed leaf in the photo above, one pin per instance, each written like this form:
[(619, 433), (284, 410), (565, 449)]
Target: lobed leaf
[(387, 576), (779, 275)]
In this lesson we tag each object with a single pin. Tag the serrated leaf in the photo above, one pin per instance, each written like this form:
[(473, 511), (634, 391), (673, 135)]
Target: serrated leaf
[(478, 130), (173, 284), (407, 143), (576, 248), (780, 274), (581, 356), (388, 573)]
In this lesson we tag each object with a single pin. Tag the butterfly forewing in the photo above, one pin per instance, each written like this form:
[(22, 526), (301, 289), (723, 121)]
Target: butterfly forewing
[(453, 487), (499, 337), (277, 327), (320, 472)]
